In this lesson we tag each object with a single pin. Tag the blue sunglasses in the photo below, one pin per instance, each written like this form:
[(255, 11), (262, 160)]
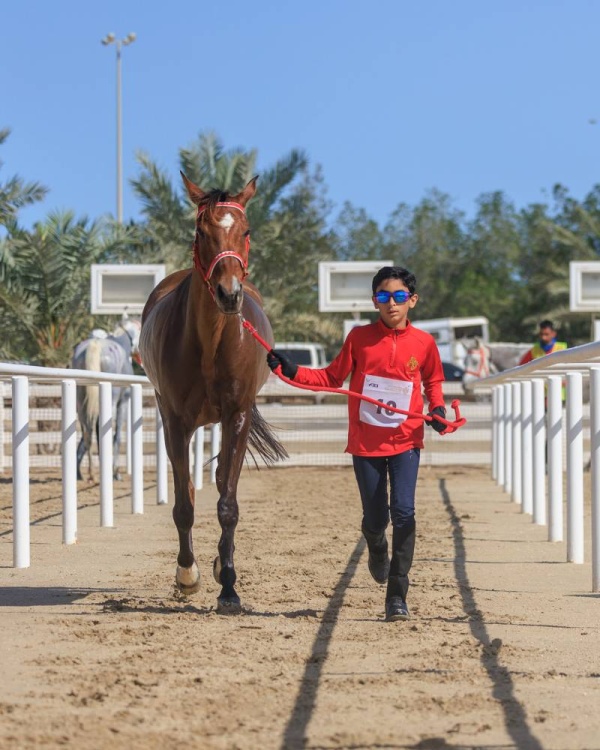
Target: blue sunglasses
[(399, 297)]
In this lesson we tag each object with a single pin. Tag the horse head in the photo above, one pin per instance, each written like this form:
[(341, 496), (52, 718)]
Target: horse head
[(477, 362), (222, 242)]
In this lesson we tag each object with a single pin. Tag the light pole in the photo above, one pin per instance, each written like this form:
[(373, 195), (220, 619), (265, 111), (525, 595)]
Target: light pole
[(110, 39)]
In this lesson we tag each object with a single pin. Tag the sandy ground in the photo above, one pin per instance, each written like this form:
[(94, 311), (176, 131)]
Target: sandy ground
[(98, 650)]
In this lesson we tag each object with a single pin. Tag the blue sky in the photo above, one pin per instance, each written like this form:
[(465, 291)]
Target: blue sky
[(391, 98)]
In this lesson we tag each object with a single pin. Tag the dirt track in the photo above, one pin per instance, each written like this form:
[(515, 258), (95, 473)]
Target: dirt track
[(98, 651)]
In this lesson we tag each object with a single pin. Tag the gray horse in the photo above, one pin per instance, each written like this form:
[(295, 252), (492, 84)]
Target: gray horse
[(486, 359), (109, 354)]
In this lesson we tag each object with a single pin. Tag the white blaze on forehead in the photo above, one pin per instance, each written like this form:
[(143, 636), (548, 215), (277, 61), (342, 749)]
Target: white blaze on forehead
[(227, 222)]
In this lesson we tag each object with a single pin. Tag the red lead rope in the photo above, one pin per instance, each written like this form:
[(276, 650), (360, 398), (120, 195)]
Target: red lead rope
[(450, 426)]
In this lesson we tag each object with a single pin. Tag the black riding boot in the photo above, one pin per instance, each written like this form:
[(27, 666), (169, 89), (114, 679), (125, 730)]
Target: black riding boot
[(403, 549), (379, 562)]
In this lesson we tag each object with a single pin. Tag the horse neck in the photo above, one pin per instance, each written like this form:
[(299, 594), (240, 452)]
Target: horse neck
[(204, 319)]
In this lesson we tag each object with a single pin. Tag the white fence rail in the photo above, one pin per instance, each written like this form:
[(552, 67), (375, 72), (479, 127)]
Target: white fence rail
[(530, 432), (46, 437), (20, 459)]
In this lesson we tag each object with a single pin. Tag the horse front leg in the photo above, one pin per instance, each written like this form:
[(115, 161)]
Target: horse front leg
[(231, 458), (80, 454), (177, 440), (120, 409)]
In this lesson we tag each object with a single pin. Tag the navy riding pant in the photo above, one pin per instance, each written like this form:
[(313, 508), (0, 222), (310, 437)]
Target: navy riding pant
[(372, 477)]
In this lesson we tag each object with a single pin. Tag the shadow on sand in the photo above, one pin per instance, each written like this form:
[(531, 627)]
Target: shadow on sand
[(503, 688), (295, 731)]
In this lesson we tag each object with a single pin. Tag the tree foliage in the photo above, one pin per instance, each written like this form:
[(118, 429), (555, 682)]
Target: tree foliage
[(509, 264), (45, 286)]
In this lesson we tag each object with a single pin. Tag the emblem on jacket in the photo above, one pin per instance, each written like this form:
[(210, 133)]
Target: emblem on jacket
[(412, 364)]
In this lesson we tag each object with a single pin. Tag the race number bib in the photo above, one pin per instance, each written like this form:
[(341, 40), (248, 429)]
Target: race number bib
[(388, 392)]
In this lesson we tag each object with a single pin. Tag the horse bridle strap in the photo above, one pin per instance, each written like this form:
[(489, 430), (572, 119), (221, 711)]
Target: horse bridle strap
[(220, 256), (482, 368), (225, 204), (226, 253)]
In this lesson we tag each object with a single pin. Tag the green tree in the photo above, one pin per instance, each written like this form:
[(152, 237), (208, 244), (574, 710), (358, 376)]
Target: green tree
[(489, 257), (428, 240), (358, 236), (169, 216), (287, 218), (45, 286), (285, 264), (550, 240), (15, 193)]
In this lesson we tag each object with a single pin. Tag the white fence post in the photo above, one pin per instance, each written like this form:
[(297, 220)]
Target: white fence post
[(20, 449), (495, 433), (508, 437), (198, 457), (517, 477), (215, 443), (500, 422), (526, 447), (162, 493), (137, 450), (69, 461), (1, 428), (575, 467), (106, 455), (555, 460), (128, 433), (595, 467), (539, 452)]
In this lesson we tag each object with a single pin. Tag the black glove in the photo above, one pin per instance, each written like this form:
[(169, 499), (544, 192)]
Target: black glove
[(437, 426), (288, 368)]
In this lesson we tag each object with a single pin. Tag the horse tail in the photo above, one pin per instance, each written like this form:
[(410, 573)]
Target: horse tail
[(92, 395), (263, 440)]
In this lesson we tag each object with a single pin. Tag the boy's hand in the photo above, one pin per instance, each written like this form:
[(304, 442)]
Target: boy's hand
[(288, 368), (441, 412)]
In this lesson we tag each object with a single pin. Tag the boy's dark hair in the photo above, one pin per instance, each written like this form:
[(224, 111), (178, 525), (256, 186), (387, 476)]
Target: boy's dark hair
[(395, 272), (547, 324)]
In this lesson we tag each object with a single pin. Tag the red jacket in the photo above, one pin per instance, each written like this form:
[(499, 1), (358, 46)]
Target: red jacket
[(393, 364)]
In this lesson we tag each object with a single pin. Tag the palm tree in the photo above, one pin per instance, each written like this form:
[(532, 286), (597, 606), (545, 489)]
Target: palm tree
[(45, 286), (170, 216), (15, 194)]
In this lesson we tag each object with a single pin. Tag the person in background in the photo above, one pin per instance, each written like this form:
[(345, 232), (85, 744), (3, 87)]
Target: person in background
[(389, 360), (547, 343)]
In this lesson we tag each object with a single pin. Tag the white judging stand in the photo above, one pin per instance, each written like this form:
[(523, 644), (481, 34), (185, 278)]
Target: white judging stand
[(345, 286), (119, 288), (584, 290)]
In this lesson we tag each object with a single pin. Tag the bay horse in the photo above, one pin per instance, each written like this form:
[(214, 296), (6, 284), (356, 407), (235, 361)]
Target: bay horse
[(103, 352), (205, 369)]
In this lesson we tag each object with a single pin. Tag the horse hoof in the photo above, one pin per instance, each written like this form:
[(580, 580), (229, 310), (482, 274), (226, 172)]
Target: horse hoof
[(217, 569), (229, 605), (188, 579)]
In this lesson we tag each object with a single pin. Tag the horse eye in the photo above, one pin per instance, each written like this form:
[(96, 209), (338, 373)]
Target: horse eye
[(247, 233)]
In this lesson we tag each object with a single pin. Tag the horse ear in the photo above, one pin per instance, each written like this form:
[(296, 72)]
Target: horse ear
[(195, 193), (247, 192)]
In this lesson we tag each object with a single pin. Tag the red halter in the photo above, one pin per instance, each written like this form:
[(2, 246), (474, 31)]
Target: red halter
[(226, 253)]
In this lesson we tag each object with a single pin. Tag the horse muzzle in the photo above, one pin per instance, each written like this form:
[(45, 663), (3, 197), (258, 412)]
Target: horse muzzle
[(229, 301)]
